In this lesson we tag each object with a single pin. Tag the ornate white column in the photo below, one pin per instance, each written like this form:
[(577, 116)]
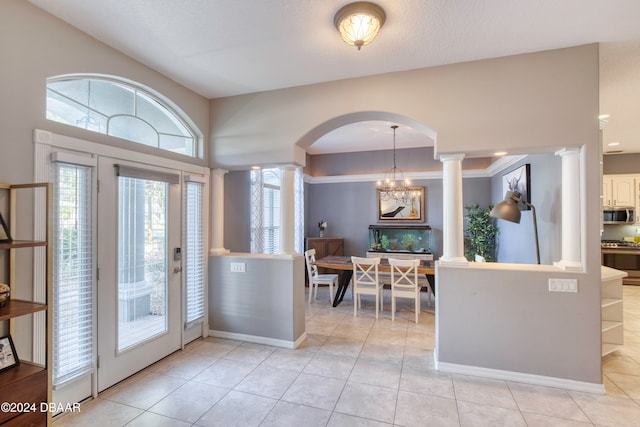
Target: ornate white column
[(452, 225), (287, 210), (571, 210), (217, 212)]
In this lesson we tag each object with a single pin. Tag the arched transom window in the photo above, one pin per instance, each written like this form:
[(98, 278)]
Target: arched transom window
[(120, 109)]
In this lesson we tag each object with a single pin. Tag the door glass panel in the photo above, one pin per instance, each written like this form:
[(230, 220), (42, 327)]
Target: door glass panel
[(142, 260)]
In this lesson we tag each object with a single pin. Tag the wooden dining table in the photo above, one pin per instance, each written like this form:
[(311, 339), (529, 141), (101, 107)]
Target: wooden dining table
[(344, 264)]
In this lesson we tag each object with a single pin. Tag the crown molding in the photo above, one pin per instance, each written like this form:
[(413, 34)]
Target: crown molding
[(496, 167)]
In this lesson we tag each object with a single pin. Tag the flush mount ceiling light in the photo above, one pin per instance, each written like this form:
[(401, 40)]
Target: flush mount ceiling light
[(359, 22)]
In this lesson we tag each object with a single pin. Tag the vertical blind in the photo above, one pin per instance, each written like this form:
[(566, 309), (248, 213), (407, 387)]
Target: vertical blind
[(193, 256), (73, 273)]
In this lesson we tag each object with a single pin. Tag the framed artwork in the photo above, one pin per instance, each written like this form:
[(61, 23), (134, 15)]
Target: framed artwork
[(4, 231), (519, 180), (8, 356), (410, 208)]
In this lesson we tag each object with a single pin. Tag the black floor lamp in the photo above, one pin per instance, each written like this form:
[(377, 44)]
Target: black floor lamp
[(508, 210)]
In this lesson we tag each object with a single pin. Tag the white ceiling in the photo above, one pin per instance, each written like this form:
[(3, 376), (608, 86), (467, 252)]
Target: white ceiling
[(229, 47)]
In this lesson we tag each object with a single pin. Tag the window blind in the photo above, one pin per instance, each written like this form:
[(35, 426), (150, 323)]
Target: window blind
[(152, 175), (271, 211), (73, 273), (193, 257)]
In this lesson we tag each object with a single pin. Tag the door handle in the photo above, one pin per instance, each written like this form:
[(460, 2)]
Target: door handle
[(177, 269)]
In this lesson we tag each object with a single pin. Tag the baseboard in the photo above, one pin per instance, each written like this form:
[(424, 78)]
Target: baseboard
[(520, 377), (260, 340)]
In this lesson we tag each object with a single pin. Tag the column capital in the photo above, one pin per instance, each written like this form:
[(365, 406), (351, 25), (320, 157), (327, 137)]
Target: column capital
[(568, 151), (288, 167), (219, 171), (451, 157)]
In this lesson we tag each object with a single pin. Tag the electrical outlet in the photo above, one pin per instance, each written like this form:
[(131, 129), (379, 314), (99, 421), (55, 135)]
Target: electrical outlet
[(238, 267), (563, 285)]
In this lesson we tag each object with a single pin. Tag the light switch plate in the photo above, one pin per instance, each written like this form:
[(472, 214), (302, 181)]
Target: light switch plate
[(563, 285), (238, 267)]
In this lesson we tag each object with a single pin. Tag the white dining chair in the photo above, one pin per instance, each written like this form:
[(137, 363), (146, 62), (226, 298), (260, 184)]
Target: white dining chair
[(366, 282), (316, 279), (404, 283)]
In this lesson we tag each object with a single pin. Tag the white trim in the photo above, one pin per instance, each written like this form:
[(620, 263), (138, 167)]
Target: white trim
[(503, 163), (48, 138), (259, 340), (521, 377), (495, 167)]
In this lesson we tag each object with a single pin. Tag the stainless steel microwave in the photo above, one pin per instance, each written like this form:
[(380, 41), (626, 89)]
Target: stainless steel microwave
[(618, 215)]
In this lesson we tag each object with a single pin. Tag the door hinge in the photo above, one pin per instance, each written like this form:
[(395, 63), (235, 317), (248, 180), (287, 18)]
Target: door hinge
[(97, 186), (98, 362), (97, 274)]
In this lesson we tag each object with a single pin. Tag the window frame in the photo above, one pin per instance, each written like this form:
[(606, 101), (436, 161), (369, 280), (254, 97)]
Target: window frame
[(176, 113)]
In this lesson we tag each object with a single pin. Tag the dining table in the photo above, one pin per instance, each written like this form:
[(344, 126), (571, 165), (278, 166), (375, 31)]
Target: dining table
[(344, 264)]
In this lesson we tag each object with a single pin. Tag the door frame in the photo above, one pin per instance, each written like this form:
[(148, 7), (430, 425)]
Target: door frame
[(46, 142)]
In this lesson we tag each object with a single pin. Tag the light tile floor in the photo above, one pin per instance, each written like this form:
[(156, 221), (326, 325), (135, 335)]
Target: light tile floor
[(356, 372)]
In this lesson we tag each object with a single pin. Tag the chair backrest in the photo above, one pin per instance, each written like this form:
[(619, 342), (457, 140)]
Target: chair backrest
[(310, 257), (404, 272), (365, 270)]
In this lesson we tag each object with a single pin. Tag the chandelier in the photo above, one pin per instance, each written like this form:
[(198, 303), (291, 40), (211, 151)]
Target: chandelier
[(359, 22), (394, 186)]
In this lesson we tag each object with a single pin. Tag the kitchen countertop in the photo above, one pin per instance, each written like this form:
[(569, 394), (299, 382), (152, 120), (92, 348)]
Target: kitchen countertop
[(608, 273)]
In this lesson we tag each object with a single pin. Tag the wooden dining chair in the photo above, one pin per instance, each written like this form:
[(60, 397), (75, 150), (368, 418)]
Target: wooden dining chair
[(366, 282), (404, 283), (316, 279)]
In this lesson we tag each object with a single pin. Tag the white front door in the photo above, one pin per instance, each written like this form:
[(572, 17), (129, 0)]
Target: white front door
[(139, 275)]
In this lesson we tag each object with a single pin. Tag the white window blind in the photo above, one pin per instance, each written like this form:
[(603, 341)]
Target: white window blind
[(271, 211), (193, 257), (73, 273)]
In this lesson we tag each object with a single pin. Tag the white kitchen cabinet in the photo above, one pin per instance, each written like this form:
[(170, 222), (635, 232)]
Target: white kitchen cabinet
[(618, 190)]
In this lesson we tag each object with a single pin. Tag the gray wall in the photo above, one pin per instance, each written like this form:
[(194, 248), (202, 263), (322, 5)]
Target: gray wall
[(267, 300), (349, 209), (529, 329), (516, 242), (237, 219)]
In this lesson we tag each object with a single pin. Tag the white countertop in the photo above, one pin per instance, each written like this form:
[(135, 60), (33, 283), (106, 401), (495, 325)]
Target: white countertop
[(608, 273)]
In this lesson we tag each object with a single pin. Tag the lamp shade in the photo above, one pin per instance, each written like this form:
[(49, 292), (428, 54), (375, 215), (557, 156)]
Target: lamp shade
[(508, 208), (359, 22)]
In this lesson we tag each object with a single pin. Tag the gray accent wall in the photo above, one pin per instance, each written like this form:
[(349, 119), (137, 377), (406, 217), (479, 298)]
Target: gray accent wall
[(516, 242), (350, 207)]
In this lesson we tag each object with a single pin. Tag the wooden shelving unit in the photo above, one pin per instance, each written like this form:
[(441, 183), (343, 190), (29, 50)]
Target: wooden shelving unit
[(29, 382)]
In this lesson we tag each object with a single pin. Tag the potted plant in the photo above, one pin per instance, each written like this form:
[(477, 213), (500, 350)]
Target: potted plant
[(480, 235)]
